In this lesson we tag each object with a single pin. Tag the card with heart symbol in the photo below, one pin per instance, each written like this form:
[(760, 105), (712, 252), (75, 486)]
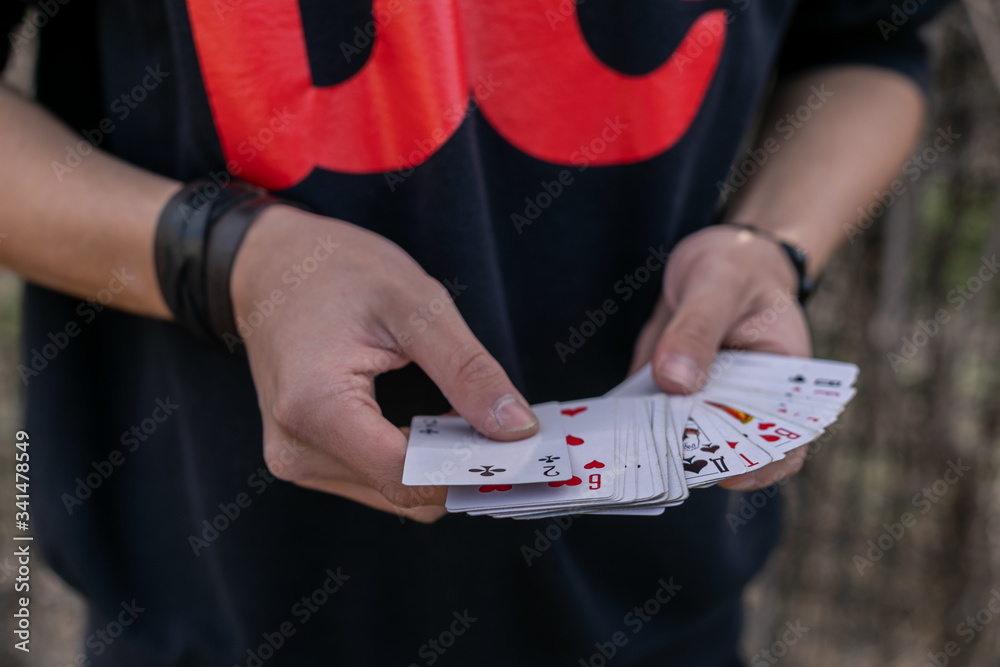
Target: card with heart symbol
[(636, 451), (447, 451), (597, 456)]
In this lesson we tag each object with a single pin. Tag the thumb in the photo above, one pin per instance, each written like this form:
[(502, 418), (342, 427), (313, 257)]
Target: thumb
[(472, 380), (687, 346)]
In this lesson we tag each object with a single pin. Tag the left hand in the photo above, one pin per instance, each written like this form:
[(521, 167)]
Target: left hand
[(724, 287)]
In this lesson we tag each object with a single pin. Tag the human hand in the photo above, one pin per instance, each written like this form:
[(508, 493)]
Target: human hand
[(316, 350), (724, 288)]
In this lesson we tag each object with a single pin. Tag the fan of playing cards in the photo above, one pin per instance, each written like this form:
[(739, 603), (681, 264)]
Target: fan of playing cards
[(636, 450)]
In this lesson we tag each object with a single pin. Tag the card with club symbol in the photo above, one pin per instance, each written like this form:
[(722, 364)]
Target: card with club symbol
[(636, 451), (447, 451)]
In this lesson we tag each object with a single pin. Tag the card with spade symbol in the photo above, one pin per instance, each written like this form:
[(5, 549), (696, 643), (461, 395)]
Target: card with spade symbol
[(722, 451), (761, 428), (637, 451), (808, 378), (447, 451)]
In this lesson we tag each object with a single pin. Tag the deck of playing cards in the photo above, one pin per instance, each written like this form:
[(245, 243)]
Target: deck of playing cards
[(635, 450)]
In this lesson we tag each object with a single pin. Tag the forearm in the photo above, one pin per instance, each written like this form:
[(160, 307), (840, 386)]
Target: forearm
[(86, 231), (851, 146)]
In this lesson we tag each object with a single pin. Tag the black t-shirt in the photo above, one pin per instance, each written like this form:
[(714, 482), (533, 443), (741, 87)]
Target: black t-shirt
[(532, 155)]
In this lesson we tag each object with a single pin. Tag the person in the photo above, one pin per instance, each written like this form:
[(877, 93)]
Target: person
[(476, 206)]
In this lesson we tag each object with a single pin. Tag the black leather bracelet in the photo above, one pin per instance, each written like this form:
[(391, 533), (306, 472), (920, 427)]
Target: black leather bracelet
[(795, 255), (192, 270), (224, 240)]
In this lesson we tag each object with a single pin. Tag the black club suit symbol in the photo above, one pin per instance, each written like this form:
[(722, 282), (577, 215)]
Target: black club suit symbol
[(487, 471)]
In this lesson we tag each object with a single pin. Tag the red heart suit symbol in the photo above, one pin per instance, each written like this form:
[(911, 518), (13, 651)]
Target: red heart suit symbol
[(764, 427), (572, 481), (573, 440), (572, 412), (771, 438), (594, 464), (732, 445), (486, 488)]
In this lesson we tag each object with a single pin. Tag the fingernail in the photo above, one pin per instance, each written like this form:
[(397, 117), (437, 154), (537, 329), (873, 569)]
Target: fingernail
[(513, 415), (681, 369)]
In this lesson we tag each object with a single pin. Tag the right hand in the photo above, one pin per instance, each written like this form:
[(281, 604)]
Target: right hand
[(314, 359)]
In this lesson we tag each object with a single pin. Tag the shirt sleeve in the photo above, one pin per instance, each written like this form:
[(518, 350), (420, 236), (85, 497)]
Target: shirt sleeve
[(881, 33)]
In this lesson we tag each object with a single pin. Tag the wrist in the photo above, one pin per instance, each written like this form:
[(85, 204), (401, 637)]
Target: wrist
[(197, 238), (794, 256), (263, 247)]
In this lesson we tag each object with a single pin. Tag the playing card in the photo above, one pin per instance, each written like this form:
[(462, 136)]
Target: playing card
[(630, 511), (638, 385), (669, 417), (766, 430), (709, 457), (589, 429), (801, 370), (805, 377), (637, 450), (446, 450), (742, 451), (818, 414)]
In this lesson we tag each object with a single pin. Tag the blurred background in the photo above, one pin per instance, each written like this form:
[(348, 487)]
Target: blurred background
[(913, 299)]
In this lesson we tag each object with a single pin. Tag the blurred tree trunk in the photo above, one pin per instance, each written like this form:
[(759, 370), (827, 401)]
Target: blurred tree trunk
[(871, 590)]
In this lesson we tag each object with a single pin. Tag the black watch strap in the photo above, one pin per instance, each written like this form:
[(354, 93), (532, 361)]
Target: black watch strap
[(796, 256)]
